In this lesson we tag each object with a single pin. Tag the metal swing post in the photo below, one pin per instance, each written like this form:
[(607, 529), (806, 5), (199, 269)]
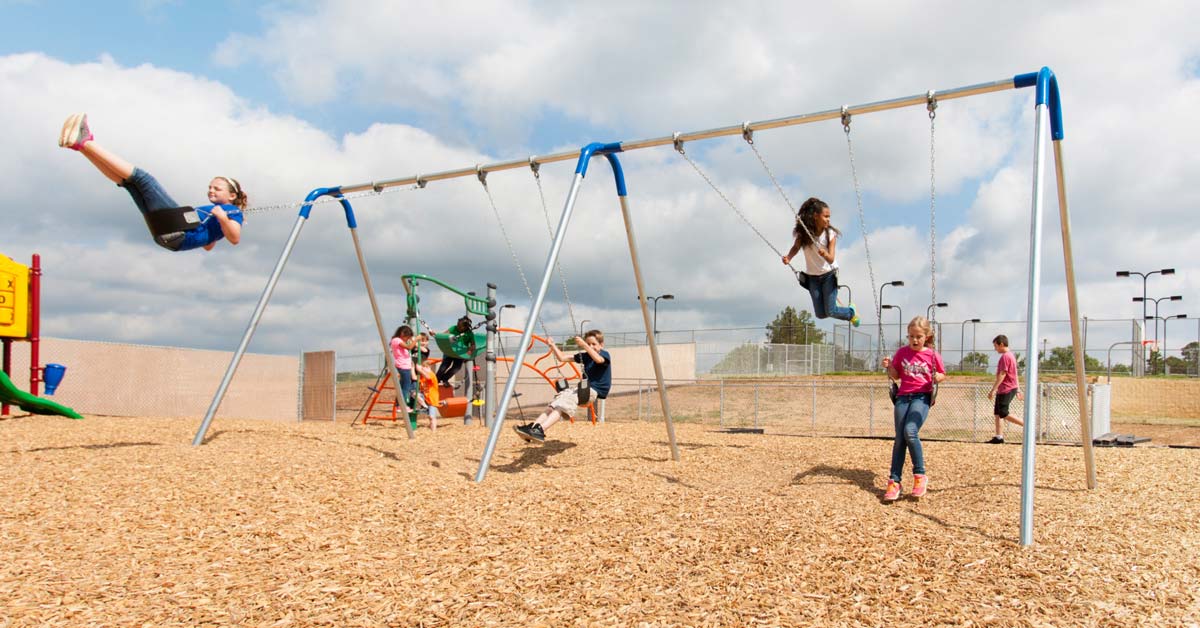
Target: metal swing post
[(489, 358), (301, 219), (1078, 335), (1049, 107)]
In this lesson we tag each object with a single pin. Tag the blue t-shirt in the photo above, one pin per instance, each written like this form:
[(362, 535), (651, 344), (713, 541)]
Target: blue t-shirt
[(209, 230), (599, 376)]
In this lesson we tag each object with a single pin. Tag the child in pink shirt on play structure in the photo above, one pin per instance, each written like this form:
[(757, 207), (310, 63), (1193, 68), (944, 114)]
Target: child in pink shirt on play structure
[(402, 345)]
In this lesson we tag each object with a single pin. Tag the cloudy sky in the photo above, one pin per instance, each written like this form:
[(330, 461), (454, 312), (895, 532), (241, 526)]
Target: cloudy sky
[(291, 96)]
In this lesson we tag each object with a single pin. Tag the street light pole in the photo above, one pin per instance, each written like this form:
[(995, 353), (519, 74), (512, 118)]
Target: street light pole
[(849, 332), (937, 327), (899, 321), (1166, 366), (1144, 300), (668, 297), (1145, 276), (898, 283), (962, 341), (500, 314)]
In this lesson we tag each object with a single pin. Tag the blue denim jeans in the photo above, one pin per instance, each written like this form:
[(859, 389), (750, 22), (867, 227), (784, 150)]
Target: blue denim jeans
[(407, 385), (823, 289), (148, 194), (909, 413)]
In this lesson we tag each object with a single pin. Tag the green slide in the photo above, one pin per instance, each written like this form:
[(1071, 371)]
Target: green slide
[(27, 402)]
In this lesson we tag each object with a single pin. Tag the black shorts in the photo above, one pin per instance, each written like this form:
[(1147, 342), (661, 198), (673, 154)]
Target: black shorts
[(1002, 401)]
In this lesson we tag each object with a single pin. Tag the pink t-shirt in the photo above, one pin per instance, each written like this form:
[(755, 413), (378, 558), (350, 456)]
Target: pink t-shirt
[(1008, 366), (916, 369), (401, 354)]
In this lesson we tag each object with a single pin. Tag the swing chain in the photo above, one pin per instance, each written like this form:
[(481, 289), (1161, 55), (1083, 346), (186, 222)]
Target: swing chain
[(679, 147), (748, 135), (482, 175), (376, 190), (562, 276), (931, 105), (862, 225)]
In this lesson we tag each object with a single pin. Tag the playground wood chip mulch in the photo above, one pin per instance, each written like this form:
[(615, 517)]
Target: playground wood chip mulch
[(120, 521)]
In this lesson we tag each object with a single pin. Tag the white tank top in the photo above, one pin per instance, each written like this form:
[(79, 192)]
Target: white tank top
[(814, 264)]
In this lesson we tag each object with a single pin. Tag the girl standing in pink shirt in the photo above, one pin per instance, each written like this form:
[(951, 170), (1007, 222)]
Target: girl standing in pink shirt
[(918, 367)]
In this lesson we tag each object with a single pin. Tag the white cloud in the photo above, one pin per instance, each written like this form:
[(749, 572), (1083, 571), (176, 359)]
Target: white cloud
[(636, 70)]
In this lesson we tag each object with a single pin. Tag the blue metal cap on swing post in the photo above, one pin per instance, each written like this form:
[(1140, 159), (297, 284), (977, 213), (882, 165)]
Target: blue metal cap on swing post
[(335, 192), (596, 148), (1047, 94)]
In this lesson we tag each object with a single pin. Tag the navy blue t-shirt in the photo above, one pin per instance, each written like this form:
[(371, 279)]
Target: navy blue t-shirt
[(599, 376), (209, 230)]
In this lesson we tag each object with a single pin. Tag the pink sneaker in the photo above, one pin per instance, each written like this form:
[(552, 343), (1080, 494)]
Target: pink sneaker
[(920, 484), (75, 132), (893, 491)]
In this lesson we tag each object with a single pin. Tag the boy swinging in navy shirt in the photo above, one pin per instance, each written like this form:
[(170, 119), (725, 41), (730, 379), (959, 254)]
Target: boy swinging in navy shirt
[(597, 369)]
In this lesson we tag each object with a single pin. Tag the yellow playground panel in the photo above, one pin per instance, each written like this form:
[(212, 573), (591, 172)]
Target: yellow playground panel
[(14, 299)]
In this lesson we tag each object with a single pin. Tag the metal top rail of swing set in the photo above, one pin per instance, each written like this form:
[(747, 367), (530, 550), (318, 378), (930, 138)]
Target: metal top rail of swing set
[(1048, 108)]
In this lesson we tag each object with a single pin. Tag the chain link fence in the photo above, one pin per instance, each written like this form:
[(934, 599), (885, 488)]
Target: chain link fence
[(741, 354), (965, 346), (827, 407)]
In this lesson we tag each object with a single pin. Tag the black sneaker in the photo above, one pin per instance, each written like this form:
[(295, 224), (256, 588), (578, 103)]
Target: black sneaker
[(996, 440), (530, 432)]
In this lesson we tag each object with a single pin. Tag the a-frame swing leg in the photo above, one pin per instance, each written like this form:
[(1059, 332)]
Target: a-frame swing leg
[(270, 288), (585, 156)]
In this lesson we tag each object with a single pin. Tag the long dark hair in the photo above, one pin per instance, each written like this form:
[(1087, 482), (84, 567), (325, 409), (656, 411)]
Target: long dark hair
[(403, 330), (807, 216)]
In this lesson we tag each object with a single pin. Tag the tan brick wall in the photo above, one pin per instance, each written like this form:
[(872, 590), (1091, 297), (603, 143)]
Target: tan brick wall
[(137, 380), (1151, 397)]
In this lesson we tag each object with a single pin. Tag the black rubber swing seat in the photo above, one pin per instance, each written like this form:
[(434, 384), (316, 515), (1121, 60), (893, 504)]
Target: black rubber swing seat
[(169, 220), (894, 392)]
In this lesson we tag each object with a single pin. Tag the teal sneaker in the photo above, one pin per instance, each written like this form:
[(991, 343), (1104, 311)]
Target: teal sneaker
[(854, 319)]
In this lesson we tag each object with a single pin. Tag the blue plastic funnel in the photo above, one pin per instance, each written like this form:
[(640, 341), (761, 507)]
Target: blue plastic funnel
[(52, 375)]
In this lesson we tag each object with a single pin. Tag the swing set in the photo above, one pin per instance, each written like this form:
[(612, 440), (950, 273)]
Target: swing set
[(1048, 112)]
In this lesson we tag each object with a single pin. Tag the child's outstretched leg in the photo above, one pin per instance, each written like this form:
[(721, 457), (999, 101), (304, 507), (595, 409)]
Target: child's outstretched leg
[(536, 431), (828, 291), (77, 136)]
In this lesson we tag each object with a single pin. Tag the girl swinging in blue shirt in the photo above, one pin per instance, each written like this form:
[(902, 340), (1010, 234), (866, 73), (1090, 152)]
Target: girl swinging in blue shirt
[(173, 228)]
